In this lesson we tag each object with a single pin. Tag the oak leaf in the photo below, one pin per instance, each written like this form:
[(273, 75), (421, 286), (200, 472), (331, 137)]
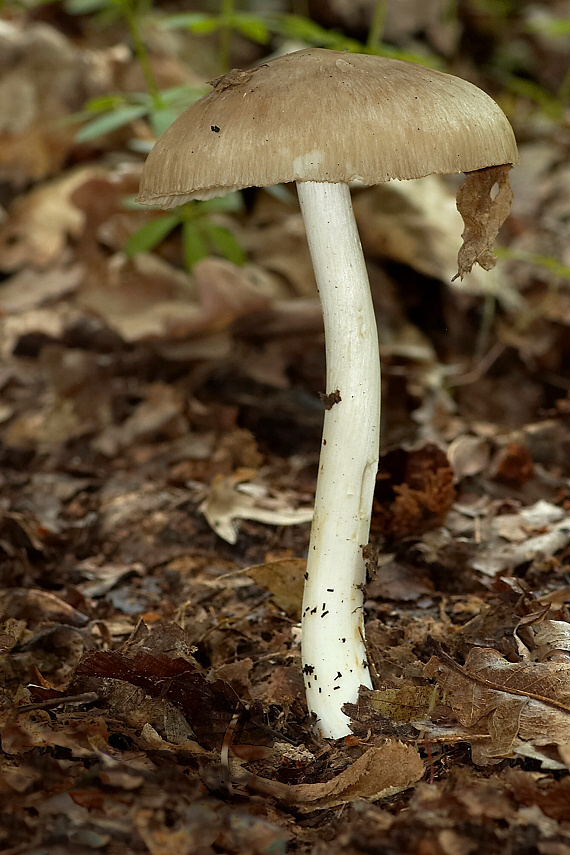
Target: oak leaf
[(504, 703)]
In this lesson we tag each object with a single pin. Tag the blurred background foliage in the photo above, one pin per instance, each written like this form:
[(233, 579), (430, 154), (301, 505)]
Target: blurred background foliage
[(515, 49), (120, 71)]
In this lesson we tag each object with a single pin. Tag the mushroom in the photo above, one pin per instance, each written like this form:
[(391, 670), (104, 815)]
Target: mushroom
[(323, 119)]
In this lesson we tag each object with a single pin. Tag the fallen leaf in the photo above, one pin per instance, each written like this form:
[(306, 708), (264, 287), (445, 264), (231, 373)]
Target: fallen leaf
[(37, 729), (397, 581), (160, 412), (285, 580), (102, 578), (45, 76), (39, 224), (382, 771), (12, 632), (231, 499), (414, 223), (552, 527), (534, 788), (468, 455), (30, 289), (209, 707), (49, 323), (37, 607), (405, 704), (145, 298), (504, 702), (540, 638), (197, 834)]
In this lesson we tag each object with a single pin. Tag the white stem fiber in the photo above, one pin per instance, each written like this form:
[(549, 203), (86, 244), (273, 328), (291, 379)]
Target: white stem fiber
[(334, 655)]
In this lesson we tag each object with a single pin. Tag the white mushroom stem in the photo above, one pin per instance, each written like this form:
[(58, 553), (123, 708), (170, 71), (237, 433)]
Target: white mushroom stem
[(334, 655)]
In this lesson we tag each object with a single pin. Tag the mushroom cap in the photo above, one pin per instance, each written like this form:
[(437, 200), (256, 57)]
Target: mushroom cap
[(323, 115)]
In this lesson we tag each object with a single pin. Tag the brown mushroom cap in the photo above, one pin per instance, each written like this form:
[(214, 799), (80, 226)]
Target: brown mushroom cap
[(323, 115)]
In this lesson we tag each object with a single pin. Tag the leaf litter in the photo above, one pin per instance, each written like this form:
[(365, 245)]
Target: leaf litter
[(159, 436)]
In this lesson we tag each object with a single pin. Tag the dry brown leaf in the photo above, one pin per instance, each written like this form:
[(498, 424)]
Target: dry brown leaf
[(513, 464), (278, 243), (30, 289), (148, 299), (162, 411), (39, 607), (231, 499), (77, 400), (381, 771), (12, 632), (414, 223), (405, 704), (504, 702), (283, 686), (39, 224), (46, 323), (483, 215), (102, 578), (284, 579), (45, 77), (538, 530), (21, 733), (161, 839), (284, 318), (468, 455)]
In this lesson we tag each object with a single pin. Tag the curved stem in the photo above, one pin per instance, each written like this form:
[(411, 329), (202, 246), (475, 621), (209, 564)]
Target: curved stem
[(334, 655)]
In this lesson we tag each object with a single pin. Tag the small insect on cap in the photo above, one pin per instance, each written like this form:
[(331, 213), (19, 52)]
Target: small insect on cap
[(323, 115)]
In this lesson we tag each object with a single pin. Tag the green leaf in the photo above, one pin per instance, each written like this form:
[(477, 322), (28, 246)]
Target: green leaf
[(224, 240), (193, 244), (546, 262), (232, 203), (281, 193), (297, 27), (160, 120), (551, 107), (109, 122), (198, 210), (193, 21), (140, 146), (182, 95), (151, 234), (252, 27), (84, 7), (206, 27), (105, 103), (549, 26)]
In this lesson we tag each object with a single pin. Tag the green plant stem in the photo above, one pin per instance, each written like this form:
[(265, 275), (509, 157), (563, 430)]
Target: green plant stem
[(299, 7), (377, 24), (564, 90), (141, 52), (226, 34), (487, 319)]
